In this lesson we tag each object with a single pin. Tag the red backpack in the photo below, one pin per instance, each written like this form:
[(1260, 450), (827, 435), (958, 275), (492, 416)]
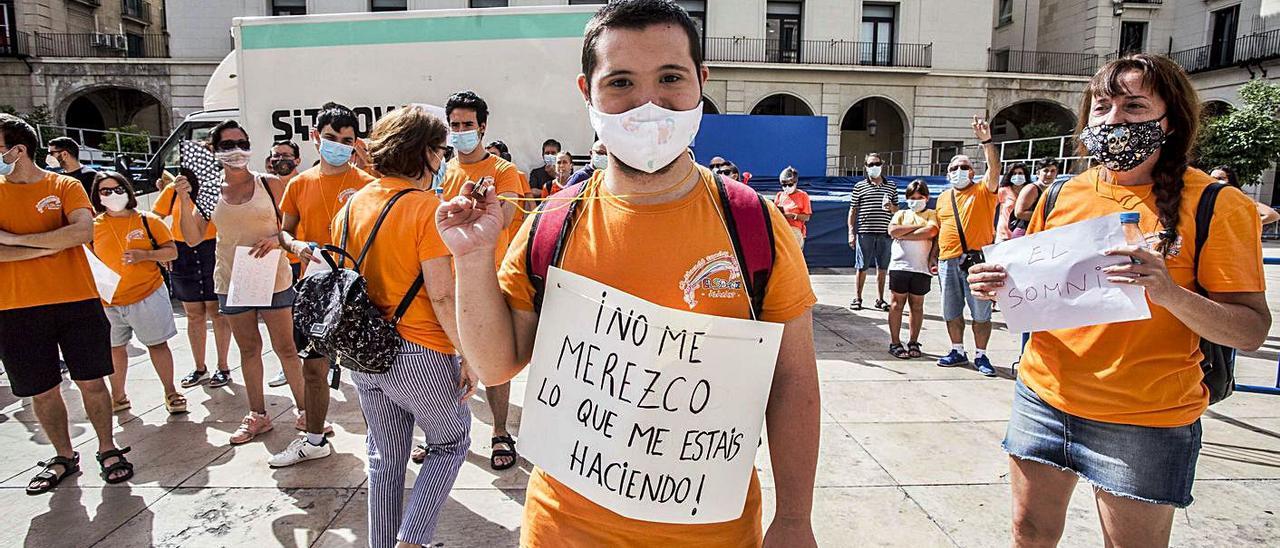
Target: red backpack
[(745, 213)]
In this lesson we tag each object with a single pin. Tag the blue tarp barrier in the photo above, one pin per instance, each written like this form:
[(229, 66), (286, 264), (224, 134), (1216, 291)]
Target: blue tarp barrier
[(764, 145)]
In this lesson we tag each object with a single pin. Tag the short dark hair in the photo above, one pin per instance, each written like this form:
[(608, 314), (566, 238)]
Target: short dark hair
[(287, 143), (1232, 179), (337, 117), (468, 99), (66, 143), (552, 143), (501, 146), (637, 15), (400, 139), (917, 186), (215, 134), (16, 132), (96, 201), (1048, 161)]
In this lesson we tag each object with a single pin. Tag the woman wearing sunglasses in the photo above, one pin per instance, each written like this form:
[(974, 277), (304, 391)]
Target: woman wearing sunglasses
[(794, 203), (133, 244), (247, 215)]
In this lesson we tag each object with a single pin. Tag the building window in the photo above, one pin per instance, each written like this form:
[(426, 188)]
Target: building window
[(288, 7), (782, 30), (489, 3), (942, 153), (1006, 13), (1133, 37), (388, 5), (698, 12), (878, 27), (1222, 49), (8, 30)]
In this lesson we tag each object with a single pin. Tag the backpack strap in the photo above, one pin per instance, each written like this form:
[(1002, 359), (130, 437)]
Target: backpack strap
[(1050, 197), (1204, 218), (377, 225), (547, 236), (272, 195), (751, 230)]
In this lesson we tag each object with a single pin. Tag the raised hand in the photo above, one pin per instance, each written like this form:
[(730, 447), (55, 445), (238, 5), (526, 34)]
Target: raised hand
[(981, 128), (468, 225)]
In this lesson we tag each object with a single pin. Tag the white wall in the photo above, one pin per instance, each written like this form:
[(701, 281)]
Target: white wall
[(1023, 33), (959, 31), (736, 18), (830, 20), (202, 30)]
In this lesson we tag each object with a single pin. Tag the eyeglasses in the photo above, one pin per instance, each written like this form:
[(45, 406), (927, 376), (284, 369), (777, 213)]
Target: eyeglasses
[(225, 146), (283, 157), (107, 191), (954, 168), (874, 164)]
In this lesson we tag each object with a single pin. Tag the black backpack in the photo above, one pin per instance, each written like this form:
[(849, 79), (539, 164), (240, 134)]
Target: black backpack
[(335, 314), (1219, 364)]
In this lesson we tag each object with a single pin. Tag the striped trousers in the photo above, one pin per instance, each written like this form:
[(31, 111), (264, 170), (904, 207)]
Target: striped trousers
[(421, 389)]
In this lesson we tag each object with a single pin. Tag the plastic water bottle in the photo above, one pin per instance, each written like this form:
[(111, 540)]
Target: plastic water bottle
[(1132, 233)]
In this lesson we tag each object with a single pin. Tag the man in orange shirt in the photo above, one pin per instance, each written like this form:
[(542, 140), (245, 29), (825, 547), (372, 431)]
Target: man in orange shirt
[(468, 120), (968, 229), (49, 302), (310, 203), (644, 221)]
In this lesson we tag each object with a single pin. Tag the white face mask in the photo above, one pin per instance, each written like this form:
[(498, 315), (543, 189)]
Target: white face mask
[(647, 137), (959, 178), (1018, 180), (115, 202), (917, 205), (235, 159), (788, 189), (873, 172), (51, 161), (600, 161)]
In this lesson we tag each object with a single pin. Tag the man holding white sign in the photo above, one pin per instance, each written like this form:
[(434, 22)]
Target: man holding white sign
[(654, 232)]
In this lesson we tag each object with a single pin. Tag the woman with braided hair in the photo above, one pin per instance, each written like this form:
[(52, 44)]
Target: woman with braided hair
[(1119, 404)]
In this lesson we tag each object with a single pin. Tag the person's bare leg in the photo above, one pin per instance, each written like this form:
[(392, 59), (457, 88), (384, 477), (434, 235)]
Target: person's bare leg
[(120, 362), (981, 334), (162, 361), (315, 380), (880, 277), (244, 327), (917, 315), (280, 328), (955, 330), (862, 281), (1127, 522), (895, 318), (1040, 497), (499, 398), (221, 334), (51, 411), (196, 332)]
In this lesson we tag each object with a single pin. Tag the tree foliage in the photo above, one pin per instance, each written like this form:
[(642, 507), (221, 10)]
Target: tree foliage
[(1247, 138)]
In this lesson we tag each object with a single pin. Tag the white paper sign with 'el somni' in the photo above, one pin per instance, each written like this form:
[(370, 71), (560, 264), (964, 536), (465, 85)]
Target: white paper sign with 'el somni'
[(253, 280), (651, 412), (106, 279), (1056, 279)]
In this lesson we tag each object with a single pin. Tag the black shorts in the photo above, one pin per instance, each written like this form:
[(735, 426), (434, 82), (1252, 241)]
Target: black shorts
[(31, 337), (915, 283), (192, 274)]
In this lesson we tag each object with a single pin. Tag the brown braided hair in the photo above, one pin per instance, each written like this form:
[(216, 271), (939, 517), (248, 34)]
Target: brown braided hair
[(1182, 112)]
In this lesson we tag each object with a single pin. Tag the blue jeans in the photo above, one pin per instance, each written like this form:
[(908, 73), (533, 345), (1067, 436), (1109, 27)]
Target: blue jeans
[(1154, 465), (955, 293)]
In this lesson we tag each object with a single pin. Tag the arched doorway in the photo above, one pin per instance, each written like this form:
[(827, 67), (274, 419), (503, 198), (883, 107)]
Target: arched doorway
[(109, 108), (1033, 119), (782, 104), (709, 107), (873, 124)]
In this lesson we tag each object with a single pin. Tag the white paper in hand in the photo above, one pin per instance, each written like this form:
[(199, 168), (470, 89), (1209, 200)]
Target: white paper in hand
[(106, 279), (253, 280), (1056, 279), (316, 267)]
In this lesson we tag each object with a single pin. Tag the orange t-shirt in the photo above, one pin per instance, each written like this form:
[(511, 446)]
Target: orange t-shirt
[(796, 202), (506, 180), (112, 236), (977, 212), (407, 238), (167, 204), (315, 199), (32, 208), (1145, 372), (615, 242)]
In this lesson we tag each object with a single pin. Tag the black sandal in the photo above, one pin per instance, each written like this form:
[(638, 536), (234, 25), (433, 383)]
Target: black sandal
[(881, 305), (499, 453), (913, 350), (898, 351), (855, 304), (121, 463), (50, 479)]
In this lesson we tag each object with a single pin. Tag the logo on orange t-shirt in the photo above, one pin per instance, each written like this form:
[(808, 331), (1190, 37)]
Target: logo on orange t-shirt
[(49, 203), (717, 275), (346, 195), (135, 234)]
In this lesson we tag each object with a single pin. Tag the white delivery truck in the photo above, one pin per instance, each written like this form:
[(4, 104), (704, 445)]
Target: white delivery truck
[(523, 61)]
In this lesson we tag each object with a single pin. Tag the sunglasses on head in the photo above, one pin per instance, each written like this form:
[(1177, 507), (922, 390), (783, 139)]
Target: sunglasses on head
[(954, 168), (224, 146), (107, 191)]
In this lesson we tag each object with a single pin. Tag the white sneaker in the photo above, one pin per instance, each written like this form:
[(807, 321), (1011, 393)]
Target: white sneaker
[(278, 380), (298, 451)]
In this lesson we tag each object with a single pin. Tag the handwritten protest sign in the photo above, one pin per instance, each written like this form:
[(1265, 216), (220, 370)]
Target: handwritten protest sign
[(651, 412), (106, 279), (253, 280), (1056, 279)]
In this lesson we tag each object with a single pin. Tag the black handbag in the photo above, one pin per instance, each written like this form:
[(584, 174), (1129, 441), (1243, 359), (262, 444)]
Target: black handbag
[(968, 257)]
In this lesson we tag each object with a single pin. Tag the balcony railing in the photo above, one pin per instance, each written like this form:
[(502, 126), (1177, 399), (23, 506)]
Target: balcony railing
[(1144, 1), (45, 44), (13, 46), (1251, 48), (1042, 62), (136, 10), (819, 52)]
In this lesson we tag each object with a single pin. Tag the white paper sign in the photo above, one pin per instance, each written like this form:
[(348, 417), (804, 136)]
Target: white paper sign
[(253, 280), (315, 267), (1056, 279), (106, 279), (651, 412)]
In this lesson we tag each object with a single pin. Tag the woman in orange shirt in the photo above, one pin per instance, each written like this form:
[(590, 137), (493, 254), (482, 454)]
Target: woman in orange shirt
[(133, 244), (794, 204), (1119, 404)]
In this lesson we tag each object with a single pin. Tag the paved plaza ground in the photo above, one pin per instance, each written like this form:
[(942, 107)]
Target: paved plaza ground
[(910, 457)]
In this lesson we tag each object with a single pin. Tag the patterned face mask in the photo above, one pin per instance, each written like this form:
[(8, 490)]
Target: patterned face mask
[(1122, 147)]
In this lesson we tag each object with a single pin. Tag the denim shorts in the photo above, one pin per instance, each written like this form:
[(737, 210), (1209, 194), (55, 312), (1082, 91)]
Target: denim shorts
[(955, 294), (874, 251), (1155, 465), (280, 299)]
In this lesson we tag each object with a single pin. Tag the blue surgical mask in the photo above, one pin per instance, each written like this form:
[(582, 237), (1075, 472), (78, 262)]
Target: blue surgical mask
[(465, 141), (600, 161), (549, 159), (6, 167), (1018, 180), (437, 178), (334, 153)]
